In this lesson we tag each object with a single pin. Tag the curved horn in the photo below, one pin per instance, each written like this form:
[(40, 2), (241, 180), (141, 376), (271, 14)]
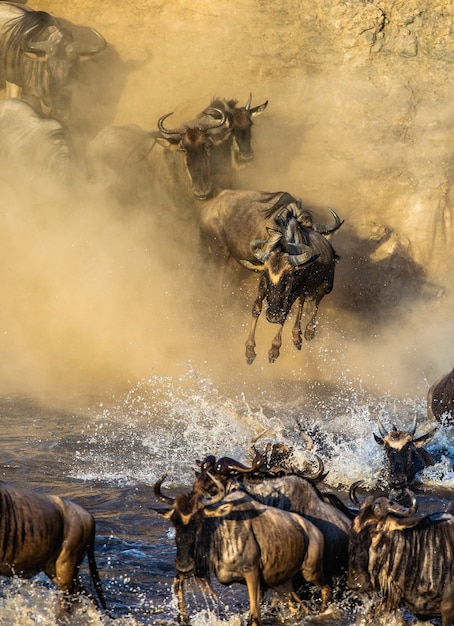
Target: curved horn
[(220, 122), (211, 500), (402, 511), (226, 465), (412, 509), (303, 257), (166, 131), (248, 103), (325, 229), (257, 245), (381, 428), (159, 494), (319, 472), (352, 492), (86, 49), (412, 430)]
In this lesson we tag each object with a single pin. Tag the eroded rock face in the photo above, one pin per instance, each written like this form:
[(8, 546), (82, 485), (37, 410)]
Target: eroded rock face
[(360, 115)]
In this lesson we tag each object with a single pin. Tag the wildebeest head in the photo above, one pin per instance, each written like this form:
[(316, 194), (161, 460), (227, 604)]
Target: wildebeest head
[(372, 516), (404, 453), (42, 39), (186, 512), (195, 142), (239, 123), (284, 259)]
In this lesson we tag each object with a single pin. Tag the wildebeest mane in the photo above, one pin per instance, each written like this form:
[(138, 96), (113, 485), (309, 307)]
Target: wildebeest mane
[(280, 200), (26, 27)]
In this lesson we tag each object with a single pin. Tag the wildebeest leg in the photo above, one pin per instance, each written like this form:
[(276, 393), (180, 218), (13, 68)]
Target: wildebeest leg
[(312, 323), (252, 580), (250, 341), (275, 345), (183, 617), (296, 332)]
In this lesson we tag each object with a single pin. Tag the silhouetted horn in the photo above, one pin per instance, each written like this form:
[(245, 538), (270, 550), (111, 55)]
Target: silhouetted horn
[(159, 494), (352, 492), (227, 466), (211, 500), (325, 229), (248, 103)]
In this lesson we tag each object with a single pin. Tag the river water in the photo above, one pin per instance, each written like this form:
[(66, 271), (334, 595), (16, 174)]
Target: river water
[(107, 455)]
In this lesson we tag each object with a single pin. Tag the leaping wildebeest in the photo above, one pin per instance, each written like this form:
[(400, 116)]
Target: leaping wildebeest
[(403, 559), (240, 540), (440, 399), (271, 233), (39, 57), (43, 533), (405, 455)]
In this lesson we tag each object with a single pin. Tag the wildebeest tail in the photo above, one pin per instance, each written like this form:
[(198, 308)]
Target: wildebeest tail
[(94, 571)]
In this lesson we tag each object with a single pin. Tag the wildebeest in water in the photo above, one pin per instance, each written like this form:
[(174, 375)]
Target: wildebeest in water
[(440, 399), (402, 559), (405, 455), (40, 533), (39, 58), (240, 540)]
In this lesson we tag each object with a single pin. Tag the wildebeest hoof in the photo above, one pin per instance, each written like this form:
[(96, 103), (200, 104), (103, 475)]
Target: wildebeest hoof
[(273, 355), (309, 333), (298, 342), (250, 355)]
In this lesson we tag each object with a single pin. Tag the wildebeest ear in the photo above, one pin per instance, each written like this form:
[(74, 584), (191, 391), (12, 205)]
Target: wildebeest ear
[(419, 441), (166, 143), (379, 440), (258, 109), (251, 266), (163, 511), (219, 511)]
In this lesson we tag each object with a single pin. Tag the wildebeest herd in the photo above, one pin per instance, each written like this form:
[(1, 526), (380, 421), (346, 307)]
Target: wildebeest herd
[(268, 525)]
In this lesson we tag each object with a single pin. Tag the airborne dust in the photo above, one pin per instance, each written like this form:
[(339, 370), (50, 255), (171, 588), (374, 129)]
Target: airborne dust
[(97, 295)]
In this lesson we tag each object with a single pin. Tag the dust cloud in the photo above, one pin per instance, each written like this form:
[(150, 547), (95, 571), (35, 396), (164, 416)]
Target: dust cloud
[(97, 294)]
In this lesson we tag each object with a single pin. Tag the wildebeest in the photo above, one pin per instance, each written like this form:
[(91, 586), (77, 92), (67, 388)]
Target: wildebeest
[(129, 161), (235, 151), (240, 540), (403, 559), (292, 492), (35, 150), (265, 232), (42, 533), (405, 455), (39, 58), (440, 399)]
